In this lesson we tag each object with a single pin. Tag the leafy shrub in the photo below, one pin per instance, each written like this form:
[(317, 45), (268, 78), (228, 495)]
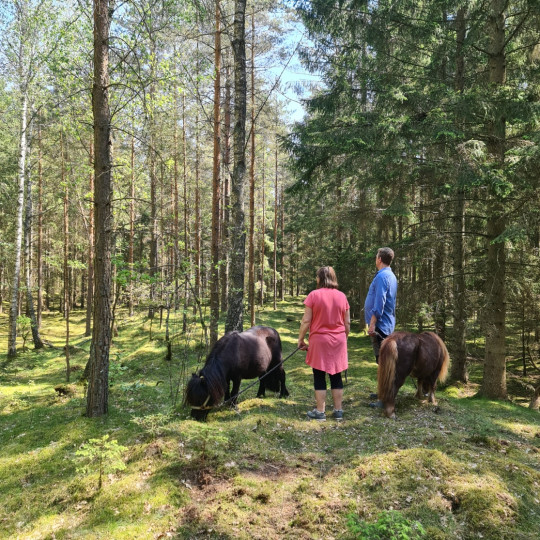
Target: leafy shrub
[(391, 525), (205, 440), (153, 424), (101, 454)]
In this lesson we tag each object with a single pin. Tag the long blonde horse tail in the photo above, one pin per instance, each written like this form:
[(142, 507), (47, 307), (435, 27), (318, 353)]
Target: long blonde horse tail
[(446, 360), (386, 372)]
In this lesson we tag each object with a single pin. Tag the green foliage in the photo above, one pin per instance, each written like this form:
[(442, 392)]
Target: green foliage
[(391, 525), (24, 328), (153, 424), (102, 456), (205, 439)]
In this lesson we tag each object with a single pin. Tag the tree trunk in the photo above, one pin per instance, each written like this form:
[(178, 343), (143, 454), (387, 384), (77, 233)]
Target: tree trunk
[(197, 227), (131, 227), (275, 222), (459, 371), (251, 249), (263, 229), (153, 261), (90, 252), (153, 223), (494, 381), (38, 343), (39, 250), (282, 244), (98, 383), (238, 256), (216, 196), (225, 242), (14, 305), (66, 254), (186, 215)]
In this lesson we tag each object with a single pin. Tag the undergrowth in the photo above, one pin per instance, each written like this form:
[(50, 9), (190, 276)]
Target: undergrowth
[(468, 468)]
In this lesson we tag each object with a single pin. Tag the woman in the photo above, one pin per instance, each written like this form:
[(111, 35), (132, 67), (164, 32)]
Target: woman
[(327, 317)]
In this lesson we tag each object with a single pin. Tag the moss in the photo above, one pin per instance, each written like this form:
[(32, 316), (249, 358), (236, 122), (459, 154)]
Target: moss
[(466, 470)]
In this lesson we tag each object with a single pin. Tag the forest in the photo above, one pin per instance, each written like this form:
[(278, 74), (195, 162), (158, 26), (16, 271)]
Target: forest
[(158, 188)]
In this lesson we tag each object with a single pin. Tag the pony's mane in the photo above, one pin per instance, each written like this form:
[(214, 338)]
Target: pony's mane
[(213, 357), (212, 371)]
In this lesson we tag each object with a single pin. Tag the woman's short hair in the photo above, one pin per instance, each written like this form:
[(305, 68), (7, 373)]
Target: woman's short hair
[(326, 278), (386, 254)]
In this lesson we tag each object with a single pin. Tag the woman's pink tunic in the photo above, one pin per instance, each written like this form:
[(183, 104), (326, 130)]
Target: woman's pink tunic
[(327, 339)]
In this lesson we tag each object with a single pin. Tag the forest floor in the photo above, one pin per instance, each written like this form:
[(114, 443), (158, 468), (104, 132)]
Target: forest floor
[(469, 468)]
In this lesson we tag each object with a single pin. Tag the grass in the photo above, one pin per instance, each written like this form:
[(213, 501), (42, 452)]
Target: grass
[(467, 469)]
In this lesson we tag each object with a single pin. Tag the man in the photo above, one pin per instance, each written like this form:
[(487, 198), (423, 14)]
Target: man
[(380, 304)]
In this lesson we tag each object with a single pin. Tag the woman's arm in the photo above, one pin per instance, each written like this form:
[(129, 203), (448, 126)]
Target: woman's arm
[(347, 322), (304, 327)]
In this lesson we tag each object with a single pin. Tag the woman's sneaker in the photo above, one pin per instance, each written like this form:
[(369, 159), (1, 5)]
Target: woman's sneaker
[(338, 415), (316, 415)]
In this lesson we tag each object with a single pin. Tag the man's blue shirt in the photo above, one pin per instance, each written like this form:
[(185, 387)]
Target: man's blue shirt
[(381, 300)]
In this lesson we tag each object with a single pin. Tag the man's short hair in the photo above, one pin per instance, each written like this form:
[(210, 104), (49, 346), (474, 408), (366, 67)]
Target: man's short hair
[(386, 255)]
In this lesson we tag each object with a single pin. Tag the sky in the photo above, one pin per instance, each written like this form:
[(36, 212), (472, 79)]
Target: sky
[(295, 80)]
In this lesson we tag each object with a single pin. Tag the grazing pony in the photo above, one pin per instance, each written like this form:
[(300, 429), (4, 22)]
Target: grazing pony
[(423, 356), (236, 356)]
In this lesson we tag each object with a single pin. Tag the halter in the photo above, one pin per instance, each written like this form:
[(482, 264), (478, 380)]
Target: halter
[(204, 406)]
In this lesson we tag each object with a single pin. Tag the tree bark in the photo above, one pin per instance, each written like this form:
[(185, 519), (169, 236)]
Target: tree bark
[(275, 221), (282, 243), (98, 383), (458, 370), (67, 302), (186, 216), (90, 252), (225, 236), (39, 249), (238, 256), (251, 249), (38, 343), (494, 381), (14, 304), (263, 230), (131, 227), (216, 196)]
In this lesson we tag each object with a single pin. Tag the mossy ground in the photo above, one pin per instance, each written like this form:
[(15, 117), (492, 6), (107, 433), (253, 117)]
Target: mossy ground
[(469, 468)]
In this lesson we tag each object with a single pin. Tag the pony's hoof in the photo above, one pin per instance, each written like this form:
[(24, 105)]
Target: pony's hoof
[(376, 404)]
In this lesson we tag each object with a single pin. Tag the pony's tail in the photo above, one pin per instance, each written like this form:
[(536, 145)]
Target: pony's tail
[(446, 360), (386, 372)]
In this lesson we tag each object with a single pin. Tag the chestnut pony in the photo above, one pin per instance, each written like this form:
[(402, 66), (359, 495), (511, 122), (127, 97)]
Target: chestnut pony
[(236, 356), (423, 356)]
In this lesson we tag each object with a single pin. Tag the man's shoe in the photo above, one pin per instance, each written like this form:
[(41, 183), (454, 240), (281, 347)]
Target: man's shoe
[(316, 415), (376, 405), (338, 415)]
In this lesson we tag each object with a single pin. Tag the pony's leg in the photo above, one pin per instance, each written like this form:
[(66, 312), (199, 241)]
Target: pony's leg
[(431, 384), (419, 389), (235, 390), (390, 408), (431, 394), (283, 389), (227, 392), (261, 391)]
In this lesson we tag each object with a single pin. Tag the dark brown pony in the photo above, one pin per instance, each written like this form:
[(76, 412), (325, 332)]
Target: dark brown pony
[(237, 356), (423, 356)]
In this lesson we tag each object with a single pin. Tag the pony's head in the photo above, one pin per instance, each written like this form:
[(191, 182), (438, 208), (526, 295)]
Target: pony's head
[(202, 393)]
